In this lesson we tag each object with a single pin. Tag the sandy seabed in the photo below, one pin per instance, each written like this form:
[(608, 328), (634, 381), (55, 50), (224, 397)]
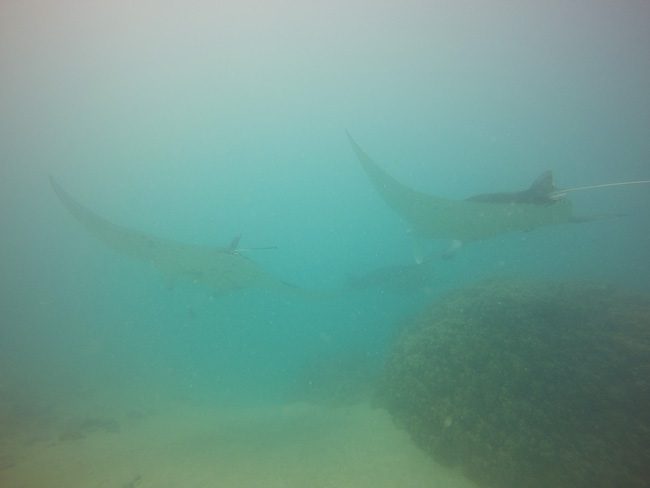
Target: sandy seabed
[(296, 445)]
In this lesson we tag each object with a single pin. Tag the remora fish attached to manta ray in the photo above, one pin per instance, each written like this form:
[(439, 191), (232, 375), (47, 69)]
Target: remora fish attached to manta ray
[(472, 219), (223, 269)]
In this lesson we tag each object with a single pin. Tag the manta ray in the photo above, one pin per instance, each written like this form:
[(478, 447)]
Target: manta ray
[(223, 269), (475, 218)]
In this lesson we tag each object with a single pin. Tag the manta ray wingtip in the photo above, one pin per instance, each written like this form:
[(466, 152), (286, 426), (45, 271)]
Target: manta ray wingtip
[(55, 186), (350, 138)]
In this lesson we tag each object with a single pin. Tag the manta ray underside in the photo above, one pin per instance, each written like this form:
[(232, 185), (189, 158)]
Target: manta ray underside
[(223, 269), (465, 220)]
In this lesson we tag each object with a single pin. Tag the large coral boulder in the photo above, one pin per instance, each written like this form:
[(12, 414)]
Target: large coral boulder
[(529, 385)]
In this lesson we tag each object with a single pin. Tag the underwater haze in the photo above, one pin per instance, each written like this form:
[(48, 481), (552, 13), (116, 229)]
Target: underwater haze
[(142, 345)]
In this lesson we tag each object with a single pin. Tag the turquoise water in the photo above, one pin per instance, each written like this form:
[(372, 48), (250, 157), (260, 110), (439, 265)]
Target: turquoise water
[(199, 122)]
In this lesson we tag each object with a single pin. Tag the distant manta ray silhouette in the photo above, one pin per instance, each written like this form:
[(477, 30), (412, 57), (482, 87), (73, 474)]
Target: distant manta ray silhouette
[(478, 217), (224, 269), (399, 278)]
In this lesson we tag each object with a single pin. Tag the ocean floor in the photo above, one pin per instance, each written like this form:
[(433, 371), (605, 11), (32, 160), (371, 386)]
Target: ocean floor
[(296, 445)]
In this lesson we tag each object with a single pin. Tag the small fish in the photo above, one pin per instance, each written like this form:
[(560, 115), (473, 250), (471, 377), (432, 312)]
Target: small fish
[(135, 481)]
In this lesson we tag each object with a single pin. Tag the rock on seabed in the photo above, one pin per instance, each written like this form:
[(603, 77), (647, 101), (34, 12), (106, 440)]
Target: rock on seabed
[(529, 384)]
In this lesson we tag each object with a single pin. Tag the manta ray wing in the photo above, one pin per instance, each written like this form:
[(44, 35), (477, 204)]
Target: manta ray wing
[(464, 220)]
